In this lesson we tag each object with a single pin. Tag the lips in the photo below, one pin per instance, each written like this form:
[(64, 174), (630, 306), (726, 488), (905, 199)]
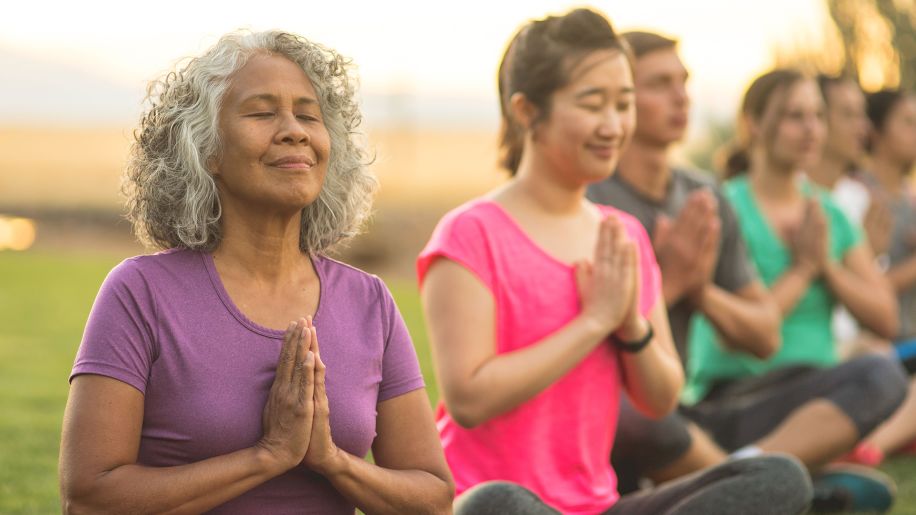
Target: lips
[(602, 151), (298, 162)]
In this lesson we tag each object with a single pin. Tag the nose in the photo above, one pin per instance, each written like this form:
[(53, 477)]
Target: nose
[(290, 130), (611, 124), (680, 94)]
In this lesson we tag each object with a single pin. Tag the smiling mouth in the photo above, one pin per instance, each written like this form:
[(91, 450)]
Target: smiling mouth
[(604, 151), (293, 163)]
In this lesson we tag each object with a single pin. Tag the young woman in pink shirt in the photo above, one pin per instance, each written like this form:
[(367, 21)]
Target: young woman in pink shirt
[(543, 308)]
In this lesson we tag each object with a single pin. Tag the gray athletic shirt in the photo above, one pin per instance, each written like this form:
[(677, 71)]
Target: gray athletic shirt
[(733, 270)]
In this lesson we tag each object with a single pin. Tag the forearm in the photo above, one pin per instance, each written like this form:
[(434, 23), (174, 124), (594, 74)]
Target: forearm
[(673, 290), (873, 305), (374, 489), (192, 488), (903, 275), (506, 380), (751, 326), (653, 378), (791, 287)]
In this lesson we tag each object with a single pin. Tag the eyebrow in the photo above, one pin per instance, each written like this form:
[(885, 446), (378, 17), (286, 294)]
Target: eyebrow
[(273, 98), (601, 91)]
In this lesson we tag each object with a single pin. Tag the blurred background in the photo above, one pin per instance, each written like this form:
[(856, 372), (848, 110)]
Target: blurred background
[(73, 77)]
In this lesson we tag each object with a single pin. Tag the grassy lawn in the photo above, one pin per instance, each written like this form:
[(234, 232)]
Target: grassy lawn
[(44, 301)]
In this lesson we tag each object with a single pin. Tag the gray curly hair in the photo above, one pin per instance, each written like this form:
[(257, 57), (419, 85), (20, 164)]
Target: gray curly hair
[(172, 199)]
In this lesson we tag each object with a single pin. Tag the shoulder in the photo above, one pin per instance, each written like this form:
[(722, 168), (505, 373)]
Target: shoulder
[(695, 179), (153, 269), (349, 281), (476, 212), (734, 189)]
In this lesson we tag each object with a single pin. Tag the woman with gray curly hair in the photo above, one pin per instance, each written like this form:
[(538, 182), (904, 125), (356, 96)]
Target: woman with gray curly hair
[(185, 395)]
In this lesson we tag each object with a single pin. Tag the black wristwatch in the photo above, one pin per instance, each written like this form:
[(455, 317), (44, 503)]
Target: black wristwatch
[(634, 345)]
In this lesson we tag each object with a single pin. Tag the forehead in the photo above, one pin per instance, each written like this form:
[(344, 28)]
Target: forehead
[(602, 68), (803, 92), (270, 74), (845, 93), (659, 62)]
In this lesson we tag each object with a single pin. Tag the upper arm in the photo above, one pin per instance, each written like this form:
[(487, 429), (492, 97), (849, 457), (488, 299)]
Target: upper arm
[(734, 269), (407, 436), (101, 429), (460, 318)]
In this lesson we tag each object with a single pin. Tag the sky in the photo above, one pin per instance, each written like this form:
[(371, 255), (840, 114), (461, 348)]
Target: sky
[(87, 62)]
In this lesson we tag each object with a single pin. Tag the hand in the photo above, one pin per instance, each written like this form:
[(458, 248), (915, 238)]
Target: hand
[(287, 416), (809, 241), (322, 452), (608, 286), (687, 249), (878, 225)]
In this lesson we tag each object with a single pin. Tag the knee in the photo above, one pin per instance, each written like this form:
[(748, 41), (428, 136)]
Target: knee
[(788, 484), (883, 384), (500, 498), (652, 444)]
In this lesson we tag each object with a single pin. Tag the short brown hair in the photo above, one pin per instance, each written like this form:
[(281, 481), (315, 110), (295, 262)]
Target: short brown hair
[(642, 43)]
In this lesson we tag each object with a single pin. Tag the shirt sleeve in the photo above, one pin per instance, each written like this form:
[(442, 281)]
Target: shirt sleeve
[(459, 237), (734, 269), (118, 341), (400, 368)]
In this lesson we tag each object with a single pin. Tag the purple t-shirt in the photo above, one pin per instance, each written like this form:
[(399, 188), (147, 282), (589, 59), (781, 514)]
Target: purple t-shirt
[(165, 325)]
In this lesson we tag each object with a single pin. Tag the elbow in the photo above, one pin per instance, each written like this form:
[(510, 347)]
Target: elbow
[(889, 327), (466, 413), (769, 334), (886, 323), (768, 345), (73, 503), (446, 496)]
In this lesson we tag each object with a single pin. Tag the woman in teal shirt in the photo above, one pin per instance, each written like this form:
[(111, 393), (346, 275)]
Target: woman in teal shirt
[(810, 256)]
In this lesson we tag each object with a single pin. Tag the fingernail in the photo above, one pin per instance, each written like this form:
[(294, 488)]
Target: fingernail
[(292, 325), (309, 356)]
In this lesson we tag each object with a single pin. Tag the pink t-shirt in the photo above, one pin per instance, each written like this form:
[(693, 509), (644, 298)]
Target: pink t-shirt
[(557, 444)]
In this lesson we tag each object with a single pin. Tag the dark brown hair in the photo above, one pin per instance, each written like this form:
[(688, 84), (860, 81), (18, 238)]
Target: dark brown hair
[(642, 43), (538, 62), (762, 92), (881, 104)]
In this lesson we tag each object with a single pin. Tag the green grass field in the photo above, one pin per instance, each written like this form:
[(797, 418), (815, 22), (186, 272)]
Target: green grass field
[(44, 301)]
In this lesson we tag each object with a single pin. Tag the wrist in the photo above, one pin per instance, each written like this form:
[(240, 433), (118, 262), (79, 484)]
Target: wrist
[(698, 295), (807, 270), (268, 462), (634, 328), (632, 342), (334, 465)]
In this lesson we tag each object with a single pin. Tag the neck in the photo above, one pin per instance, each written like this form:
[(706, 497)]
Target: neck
[(772, 181), (265, 247), (645, 168), (889, 172), (540, 187), (830, 170)]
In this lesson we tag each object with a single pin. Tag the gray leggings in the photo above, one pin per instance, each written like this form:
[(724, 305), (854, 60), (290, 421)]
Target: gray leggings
[(765, 485), (867, 389)]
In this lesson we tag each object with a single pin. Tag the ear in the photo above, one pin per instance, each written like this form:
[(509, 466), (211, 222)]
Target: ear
[(212, 166), (523, 111), (752, 127)]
